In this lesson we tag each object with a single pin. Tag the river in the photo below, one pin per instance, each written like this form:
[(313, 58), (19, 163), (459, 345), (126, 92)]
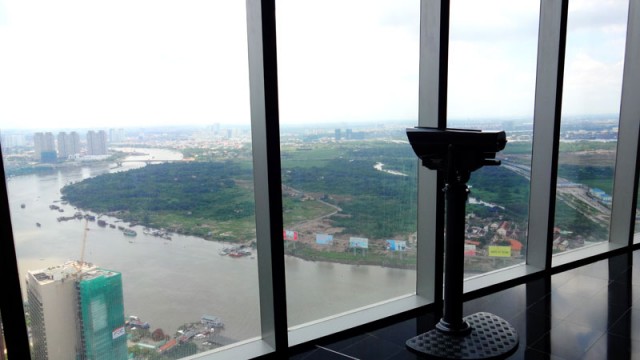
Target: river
[(171, 282)]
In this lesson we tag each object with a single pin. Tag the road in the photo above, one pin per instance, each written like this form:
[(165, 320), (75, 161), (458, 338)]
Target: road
[(302, 193), (573, 194)]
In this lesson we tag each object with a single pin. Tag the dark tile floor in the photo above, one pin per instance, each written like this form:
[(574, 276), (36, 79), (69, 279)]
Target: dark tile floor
[(591, 312)]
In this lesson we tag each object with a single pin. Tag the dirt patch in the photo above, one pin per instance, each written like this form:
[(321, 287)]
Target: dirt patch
[(307, 233)]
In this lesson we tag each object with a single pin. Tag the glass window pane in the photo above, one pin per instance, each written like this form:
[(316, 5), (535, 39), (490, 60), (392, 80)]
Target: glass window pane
[(492, 67), (126, 135), (348, 91), (589, 129)]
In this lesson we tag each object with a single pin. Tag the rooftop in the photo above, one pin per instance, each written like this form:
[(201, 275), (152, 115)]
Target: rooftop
[(59, 272)]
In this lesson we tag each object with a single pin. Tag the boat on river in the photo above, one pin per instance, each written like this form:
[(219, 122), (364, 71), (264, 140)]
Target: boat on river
[(235, 251), (239, 253), (157, 233), (211, 321), (129, 232)]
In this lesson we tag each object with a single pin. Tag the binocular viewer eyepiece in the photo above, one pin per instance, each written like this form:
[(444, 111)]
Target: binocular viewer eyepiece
[(461, 150)]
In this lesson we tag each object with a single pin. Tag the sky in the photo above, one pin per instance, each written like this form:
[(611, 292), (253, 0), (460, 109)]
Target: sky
[(124, 63)]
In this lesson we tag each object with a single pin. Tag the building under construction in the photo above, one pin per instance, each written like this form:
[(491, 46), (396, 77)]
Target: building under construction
[(77, 312)]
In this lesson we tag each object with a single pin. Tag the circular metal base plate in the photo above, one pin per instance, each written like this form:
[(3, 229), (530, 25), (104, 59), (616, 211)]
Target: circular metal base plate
[(491, 337)]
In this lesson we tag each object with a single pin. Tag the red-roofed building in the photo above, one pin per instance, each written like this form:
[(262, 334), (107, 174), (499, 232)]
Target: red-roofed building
[(516, 247), (167, 346)]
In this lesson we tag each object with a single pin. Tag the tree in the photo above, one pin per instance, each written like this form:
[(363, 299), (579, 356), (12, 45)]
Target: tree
[(157, 335)]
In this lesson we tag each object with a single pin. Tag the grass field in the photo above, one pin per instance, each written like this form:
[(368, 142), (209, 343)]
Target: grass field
[(296, 211)]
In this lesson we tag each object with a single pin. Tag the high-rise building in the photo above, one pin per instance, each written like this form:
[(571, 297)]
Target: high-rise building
[(68, 144), (116, 135), (74, 143), (338, 134), (12, 140), (62, 145), (77, 312), (96, 142), (44, 145), (101, 306)]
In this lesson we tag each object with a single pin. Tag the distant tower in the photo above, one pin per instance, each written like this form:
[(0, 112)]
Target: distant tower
[(62, 145), (349, 134), (338, 135), (76, 312), (74, 143), (116, 135), (12, 140), (97, 142), (44, 145), (68, 144)]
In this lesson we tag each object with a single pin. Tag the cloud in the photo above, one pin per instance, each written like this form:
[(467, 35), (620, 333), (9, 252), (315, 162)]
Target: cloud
[(594, 57), (598, 15), (347, 61), (493, 58), (592, 86), (74, 62), (494, 21)]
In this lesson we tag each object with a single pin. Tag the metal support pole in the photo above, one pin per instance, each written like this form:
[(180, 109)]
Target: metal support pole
[(456, 193)]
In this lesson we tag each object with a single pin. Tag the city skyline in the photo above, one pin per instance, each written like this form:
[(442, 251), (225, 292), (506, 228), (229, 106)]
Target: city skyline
[(494, 121)]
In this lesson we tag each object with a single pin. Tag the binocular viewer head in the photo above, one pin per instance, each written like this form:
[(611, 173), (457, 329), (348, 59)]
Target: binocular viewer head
[(464, 150)]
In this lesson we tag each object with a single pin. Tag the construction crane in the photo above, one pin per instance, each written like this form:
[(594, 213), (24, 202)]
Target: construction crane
[(80, 263)]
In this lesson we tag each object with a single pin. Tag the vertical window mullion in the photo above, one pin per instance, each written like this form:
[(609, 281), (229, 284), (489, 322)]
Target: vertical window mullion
[(263, 79), (434, 57), (626, 172), (546, 130), (11, 305)]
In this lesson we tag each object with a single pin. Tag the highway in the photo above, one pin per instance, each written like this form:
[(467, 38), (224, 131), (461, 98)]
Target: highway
[(573, 194)]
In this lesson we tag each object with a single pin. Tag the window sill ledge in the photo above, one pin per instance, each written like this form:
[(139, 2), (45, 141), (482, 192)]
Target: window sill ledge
[(340, 322)]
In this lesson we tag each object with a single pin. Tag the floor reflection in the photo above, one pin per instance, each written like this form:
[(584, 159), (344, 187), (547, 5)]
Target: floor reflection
[(592, 312)]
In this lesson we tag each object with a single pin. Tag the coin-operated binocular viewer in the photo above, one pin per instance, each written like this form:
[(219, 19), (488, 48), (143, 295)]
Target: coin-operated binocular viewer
[(481, 335)]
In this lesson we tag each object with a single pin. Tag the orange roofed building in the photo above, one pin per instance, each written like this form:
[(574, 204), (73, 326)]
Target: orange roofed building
[(516, 247)]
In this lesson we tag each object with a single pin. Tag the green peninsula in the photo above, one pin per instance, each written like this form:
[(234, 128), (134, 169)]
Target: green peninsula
[(364, 189), (213, 200)]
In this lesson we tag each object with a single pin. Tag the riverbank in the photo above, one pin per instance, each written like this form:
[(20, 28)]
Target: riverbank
[(397, 260), (301, 250)]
